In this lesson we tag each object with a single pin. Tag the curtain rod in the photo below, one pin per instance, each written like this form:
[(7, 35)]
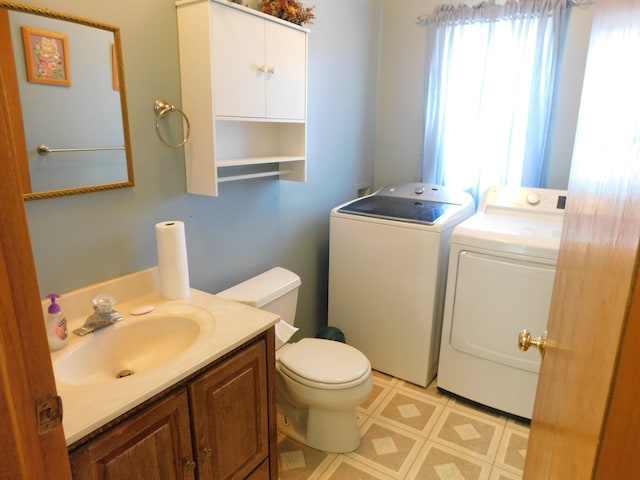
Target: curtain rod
[(424, 17)]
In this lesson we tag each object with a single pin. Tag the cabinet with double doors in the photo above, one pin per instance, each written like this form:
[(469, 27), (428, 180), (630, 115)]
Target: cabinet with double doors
[(244, 87), (218, 425)]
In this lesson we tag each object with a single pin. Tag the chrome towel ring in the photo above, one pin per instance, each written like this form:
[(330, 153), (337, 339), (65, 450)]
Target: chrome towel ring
[(162, 108)]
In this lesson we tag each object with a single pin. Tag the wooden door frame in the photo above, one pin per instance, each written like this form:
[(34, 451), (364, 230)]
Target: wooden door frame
[(26, 374), (620, 442), (7, 62)]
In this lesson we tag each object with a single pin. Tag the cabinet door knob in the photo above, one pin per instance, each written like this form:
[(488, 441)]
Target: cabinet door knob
[(262, 68), (206, 452), (189, 465), (271, 70)]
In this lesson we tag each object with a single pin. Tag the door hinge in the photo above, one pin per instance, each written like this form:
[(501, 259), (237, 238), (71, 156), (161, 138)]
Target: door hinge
[(49, 414)]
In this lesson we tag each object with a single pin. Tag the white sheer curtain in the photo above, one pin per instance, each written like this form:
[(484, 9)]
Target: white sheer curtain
[(491, 73)]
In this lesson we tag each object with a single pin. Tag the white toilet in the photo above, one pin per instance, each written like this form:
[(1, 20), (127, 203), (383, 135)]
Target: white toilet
[(319, 383)]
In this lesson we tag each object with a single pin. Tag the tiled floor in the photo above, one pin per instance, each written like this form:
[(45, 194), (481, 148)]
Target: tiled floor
[(415, 433)]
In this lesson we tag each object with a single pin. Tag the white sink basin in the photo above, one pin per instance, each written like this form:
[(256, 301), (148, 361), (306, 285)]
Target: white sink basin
[(134, 345)]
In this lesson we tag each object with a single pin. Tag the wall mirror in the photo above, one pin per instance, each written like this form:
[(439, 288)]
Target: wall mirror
[(70, 78)]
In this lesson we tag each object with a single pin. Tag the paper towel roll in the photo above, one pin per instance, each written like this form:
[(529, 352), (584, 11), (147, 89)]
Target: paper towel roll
[(173, 268)]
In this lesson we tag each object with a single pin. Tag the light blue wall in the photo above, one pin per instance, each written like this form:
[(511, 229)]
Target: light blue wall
[(252, 225), (364, 112)]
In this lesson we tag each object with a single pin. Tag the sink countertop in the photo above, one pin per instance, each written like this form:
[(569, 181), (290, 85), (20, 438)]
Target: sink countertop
[(87, 407)]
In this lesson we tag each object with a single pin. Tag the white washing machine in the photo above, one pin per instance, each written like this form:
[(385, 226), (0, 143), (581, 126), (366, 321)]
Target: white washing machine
[(501, 272), (388, 259)]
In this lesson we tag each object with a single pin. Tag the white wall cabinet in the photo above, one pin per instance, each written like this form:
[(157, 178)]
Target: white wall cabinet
[(244, 88)]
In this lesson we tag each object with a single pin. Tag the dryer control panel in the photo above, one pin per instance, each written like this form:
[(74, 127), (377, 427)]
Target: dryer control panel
[(523, 199)]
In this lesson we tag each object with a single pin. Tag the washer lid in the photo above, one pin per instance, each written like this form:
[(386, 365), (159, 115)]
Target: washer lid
[(414, 203), (325, 361), (395, 208)]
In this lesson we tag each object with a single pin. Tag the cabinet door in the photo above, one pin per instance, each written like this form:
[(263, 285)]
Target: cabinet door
[(260, 473), (286, 78), (237, 43), (155, 444), (230, 416)]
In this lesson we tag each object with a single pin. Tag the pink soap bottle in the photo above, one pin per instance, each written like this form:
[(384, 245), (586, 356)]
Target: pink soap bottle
[(56, 324)]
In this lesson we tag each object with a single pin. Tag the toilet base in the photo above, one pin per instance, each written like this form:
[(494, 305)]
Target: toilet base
[(334, 432)]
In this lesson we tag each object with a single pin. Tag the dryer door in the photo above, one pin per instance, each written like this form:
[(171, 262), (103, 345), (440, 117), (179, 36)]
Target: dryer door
[(494, 297)]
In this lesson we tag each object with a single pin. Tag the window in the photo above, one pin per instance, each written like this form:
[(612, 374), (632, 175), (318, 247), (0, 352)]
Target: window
[(489, 93)]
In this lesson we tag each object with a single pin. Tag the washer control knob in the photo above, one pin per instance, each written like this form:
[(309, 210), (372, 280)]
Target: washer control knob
[(419, 190), (533, 199)]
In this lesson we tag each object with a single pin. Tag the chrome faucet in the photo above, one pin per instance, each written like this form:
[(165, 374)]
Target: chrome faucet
[(103, 315)]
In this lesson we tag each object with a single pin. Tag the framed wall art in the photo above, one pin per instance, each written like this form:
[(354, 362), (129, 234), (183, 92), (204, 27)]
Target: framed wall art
[(47, 56)]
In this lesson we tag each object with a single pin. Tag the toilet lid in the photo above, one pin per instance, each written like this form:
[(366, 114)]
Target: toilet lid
[(325, 361)]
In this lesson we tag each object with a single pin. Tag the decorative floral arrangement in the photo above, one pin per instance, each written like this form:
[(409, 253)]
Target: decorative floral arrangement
[(290, 10)]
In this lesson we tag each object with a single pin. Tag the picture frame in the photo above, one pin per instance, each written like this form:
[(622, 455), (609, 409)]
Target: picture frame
[(47, 56)]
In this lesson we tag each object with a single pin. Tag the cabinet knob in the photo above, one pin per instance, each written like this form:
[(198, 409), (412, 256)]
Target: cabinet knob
[(271, 70), (189, 465), (206, 452), (262, 68)]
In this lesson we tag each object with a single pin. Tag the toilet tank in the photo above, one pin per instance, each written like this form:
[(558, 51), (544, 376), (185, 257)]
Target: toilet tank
[(275, 291)]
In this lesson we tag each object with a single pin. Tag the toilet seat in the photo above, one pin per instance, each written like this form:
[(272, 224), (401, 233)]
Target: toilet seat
[(324, 364)]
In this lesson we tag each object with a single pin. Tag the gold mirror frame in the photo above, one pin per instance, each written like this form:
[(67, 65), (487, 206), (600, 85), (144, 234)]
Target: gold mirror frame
[(123, 98)]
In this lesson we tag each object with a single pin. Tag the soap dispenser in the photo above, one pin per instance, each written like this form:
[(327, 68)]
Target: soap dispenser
[(56, 325)]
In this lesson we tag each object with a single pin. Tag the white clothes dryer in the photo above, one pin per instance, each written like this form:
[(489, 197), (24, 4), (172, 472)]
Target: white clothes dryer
[(388, 259), (501, 272)]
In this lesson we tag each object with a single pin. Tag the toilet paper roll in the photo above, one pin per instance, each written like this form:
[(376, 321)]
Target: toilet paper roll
[(284, 332), (173, 269)]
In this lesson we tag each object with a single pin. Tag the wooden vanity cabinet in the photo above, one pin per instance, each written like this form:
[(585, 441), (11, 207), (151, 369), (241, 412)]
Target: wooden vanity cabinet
[(229, 411), (155, 444), (220, 424)]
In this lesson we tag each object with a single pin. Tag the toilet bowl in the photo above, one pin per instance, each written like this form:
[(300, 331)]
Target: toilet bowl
[(319, 383)]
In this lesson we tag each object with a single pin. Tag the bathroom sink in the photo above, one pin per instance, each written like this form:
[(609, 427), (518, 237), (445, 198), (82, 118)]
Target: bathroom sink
[(132, 346)]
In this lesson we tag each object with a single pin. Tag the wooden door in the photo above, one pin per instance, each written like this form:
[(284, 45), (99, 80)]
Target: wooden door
[(586, 421), (230, 414), (26, 375), (154, 444)]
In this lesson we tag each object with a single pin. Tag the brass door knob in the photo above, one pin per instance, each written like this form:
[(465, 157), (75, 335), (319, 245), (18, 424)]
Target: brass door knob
[(525, 340)]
